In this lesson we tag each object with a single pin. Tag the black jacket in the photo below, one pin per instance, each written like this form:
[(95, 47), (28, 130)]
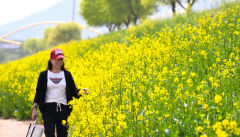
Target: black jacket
[(71, 90)]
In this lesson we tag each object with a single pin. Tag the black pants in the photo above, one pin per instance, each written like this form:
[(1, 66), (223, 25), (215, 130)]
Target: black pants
[(53, 116)]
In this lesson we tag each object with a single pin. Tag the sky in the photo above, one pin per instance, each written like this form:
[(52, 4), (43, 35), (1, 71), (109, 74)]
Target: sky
[(12, 10), (165, 11)]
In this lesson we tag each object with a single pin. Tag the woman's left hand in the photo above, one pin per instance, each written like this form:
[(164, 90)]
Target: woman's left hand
[(85, 91)]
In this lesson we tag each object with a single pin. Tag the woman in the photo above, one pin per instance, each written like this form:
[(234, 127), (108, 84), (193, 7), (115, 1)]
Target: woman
[(55, 88)]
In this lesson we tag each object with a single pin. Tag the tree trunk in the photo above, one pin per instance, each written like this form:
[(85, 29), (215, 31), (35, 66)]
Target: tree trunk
[(135, 17), (193, 2), (179, 2), (189, 6), (173, 5), (110, 28), (127, 22), (135, 20)]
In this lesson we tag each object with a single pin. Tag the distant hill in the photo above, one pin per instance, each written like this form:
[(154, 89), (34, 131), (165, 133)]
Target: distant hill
[(62, 11)]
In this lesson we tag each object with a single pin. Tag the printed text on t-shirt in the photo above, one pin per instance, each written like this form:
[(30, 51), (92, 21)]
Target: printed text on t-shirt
[(55, 80)]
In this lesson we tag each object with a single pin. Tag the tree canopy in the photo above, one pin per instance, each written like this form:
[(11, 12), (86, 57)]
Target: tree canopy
[(62, 33), (34, 45), (114, 13)]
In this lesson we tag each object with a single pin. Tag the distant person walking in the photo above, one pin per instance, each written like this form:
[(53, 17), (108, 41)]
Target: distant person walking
[(55, 88)]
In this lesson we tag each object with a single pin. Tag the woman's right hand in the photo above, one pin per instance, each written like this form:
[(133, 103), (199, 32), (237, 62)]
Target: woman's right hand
[(34, 113)]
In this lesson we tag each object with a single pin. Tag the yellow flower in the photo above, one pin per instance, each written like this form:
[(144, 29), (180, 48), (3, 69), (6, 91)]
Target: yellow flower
[(206, 121), (205, 106), (184, 73), (236, 33), (160, 118), (206, 92), (233, 124), (217, 99), (218, 60), (202, 116), (193, 74), (121, 117), (235, 104), (64, 122), (217, 125), (225, 123), (221, 133), (140, 117), (203, 53), (136, 104), (199, 129), (190, 82), (176, 79), (211, 79), (220, 117), (166, 115)]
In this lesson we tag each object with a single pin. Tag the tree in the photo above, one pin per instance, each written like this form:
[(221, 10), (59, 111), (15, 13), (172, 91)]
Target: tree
[(96, 13), (2, 55), (62, 33), (114, 13), (46, 33), (173, 4), (34, 45), (190, 3), (141, 8), (119, 12)]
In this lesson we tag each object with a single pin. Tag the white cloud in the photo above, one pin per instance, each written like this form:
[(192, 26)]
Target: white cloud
[(12, 10)]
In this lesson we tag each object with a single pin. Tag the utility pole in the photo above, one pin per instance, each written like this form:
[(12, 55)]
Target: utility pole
[(73, 13)]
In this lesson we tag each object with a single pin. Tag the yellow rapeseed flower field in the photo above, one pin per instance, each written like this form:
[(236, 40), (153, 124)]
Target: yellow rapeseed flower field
[(183, 81)]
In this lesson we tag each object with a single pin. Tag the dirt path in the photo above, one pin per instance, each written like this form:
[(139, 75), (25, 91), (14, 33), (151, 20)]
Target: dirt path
[(13, 128)]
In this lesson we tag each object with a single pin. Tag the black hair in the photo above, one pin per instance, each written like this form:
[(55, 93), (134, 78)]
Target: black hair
[(50, 65)]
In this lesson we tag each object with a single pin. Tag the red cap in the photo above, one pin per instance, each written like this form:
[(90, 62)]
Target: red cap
[(57, 54)]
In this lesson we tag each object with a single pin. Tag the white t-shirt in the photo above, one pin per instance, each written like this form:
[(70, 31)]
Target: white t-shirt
[(56, 88)]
